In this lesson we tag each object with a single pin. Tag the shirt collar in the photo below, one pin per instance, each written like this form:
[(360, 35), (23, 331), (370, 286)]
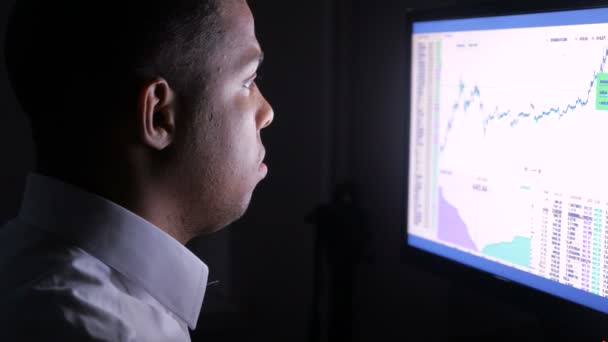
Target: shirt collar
[(121, 239)]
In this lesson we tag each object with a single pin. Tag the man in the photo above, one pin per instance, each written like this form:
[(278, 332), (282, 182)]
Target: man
[(146, 119)]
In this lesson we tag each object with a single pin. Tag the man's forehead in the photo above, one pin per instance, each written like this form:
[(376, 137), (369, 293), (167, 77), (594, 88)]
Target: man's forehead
[(238, 46), (237, 14)]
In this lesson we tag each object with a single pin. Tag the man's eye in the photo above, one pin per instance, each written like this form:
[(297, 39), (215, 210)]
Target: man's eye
[(250, 82)]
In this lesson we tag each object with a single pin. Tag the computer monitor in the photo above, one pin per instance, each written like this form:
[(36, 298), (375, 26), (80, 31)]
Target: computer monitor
[(508, 146)]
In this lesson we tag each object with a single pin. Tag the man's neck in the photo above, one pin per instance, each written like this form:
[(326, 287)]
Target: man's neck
[(142, 199)]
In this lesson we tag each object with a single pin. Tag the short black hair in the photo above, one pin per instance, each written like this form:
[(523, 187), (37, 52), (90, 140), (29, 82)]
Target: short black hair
[(74, 62)]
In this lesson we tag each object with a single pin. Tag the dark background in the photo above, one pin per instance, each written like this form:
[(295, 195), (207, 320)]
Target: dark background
[(335, 74)]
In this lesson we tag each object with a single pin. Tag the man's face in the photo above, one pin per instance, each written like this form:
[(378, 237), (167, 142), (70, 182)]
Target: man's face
[(225, 161)]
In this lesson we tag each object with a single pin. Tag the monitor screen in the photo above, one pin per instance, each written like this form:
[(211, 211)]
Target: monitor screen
[(508, 148)]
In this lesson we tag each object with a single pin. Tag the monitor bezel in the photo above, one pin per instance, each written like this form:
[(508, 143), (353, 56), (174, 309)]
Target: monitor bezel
[(551, 310)]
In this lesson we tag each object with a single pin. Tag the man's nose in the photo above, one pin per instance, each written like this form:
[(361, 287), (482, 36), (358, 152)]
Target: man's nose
[(265, 114)]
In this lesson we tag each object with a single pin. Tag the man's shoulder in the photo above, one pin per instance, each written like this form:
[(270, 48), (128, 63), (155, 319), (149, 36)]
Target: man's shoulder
[(35, 261), (31, 258), (50, 285), (51, 288), (39, 313)]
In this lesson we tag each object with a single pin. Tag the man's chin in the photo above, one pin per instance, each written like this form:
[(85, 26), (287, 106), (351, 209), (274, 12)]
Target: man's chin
[(229, 217)]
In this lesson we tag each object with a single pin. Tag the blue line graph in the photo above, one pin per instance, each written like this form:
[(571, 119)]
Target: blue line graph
[(474, 97)]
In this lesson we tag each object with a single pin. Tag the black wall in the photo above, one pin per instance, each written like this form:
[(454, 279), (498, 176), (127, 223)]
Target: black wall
[(16, 147)]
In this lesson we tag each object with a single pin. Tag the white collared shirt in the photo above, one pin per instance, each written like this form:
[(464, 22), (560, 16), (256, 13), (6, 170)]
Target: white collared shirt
[(77, 267)]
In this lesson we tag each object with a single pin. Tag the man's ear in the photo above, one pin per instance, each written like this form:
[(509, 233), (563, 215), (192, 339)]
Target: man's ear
[(156, 114)]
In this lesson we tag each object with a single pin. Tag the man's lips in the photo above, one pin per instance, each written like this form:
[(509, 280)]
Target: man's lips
[(262, 156)]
